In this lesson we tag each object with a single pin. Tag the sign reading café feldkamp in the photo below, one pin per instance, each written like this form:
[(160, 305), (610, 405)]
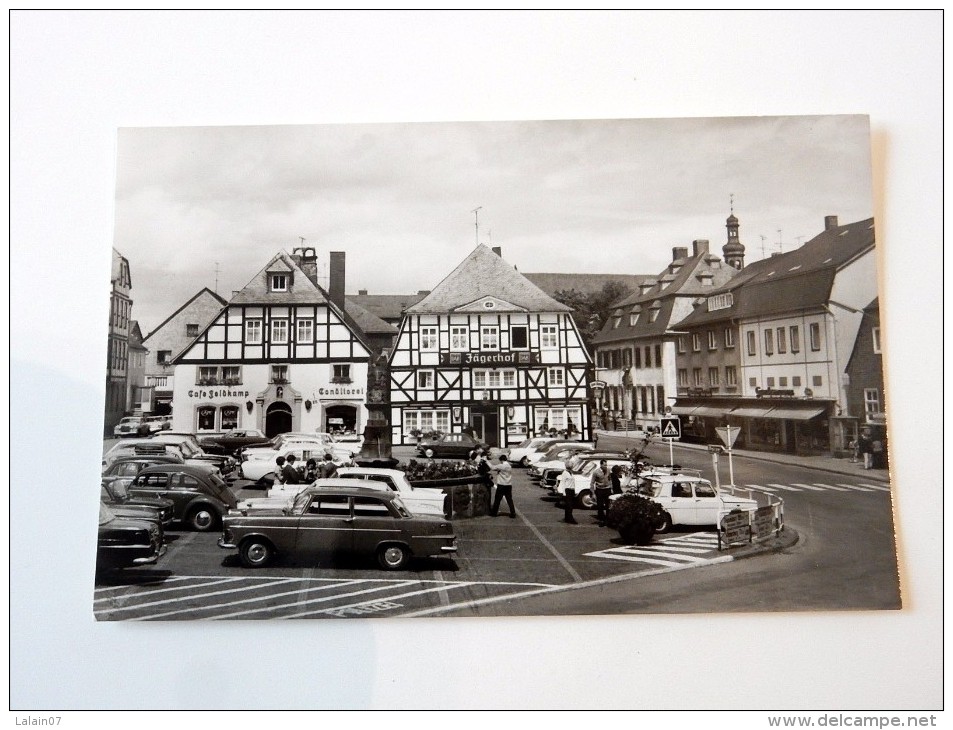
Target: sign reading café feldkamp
[(491, 359)]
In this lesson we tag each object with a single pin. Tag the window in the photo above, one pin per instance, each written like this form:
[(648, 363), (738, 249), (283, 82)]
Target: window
[(653, 315), (253, 332), (875, 336), (229, 417), (658, 356), (770, 382), (633, 320), (627, 358), (459, 339), (729, 338), (489, 338), (796, 381), (638, 357), (683, 377), (494, 378), (207, 376), (164, 357), (712, 343), (206, 418), (191, 330), (720, 301), (557, 377), (815, 336), (279, 282), (279, 331), (753, 382), (427, 421), (428, 338), (696, 342), (660, 396), (871, 401), (697, 376), (219, 375), (817, 380), (231, 375), (341, 373), (769, 342), (616, 321), (425, 378), (279, 373), (731, 375), (548, 337), (370, 507), (782, 343), (681, 344), (783, 382), (713, 377), (648, 357), (305, 333), (519, 337), (752, 342)]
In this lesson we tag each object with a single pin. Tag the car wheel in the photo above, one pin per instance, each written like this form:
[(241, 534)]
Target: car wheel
[(664, 524), (428, 453), (393, 557), (585, 499), (256, 552), (203, 519), (524, 462)]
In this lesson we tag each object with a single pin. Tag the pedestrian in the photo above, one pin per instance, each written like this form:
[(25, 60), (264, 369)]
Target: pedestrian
[(290, 472), (310, 471), (280, 470), (504, 486), (865, 446), (328, 469), (601, 484), (483, 469), (615, 477)]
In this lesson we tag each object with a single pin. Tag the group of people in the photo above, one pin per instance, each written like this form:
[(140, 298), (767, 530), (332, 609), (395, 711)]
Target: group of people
[(865, 447), (498, 475), (604, 482), (287, 470)]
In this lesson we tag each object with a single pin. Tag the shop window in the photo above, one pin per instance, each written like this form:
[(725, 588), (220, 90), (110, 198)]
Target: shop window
[(341, 373), (229, 416), (519, 337), (205, 418)]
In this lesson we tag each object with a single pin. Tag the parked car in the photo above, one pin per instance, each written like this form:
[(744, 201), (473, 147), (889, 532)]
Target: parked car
[(117, 496), (125, 542), (536, 456), (131, 426), (233, 441), (273, 449), (353, 441), (687, 498), (199, 494), (140, 447), (337, 518), (581, 480), (556, 458), (517, 454), (192, 450), (449, 445), (126, 467), (259, 469), (159, 423)]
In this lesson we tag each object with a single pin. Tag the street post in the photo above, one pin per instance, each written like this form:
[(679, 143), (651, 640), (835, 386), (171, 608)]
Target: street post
[(728, 434)]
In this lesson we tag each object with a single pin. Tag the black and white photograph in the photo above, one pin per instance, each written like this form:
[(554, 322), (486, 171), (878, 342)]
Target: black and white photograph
[(427, 377)]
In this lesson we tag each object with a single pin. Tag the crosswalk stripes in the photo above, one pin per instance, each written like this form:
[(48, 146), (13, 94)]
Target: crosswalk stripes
[(671, 553), (816, 487), (786, 487), (855, 487), (878, 487), (810, 487)]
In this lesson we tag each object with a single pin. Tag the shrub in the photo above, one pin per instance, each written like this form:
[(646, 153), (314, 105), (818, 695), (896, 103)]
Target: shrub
[(635, 517)]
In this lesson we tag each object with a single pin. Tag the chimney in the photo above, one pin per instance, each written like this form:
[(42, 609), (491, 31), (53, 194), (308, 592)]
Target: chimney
[(307, 258), (362, 292), (423, 292), (336, 283), (830, 221), (498, 251), (699, 246), (679, 252)]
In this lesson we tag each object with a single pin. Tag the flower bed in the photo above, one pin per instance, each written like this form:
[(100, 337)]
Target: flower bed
[(468, 493)]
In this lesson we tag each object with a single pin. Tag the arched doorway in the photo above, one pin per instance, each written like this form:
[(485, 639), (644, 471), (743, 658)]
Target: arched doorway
[(340, 418), (277, 419)]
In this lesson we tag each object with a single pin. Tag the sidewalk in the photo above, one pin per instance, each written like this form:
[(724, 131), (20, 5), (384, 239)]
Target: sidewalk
[(821, 463)]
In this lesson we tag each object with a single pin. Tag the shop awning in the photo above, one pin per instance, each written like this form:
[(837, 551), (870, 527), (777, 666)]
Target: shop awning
[(711, 411), (750, 412), (796, 414), (683, 410)]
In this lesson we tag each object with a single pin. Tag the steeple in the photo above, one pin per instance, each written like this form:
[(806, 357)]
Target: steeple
[(734, 251)]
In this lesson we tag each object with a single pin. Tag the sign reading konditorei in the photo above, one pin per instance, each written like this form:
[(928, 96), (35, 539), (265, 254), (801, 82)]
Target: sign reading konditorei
[(340, 391), (481, 359)]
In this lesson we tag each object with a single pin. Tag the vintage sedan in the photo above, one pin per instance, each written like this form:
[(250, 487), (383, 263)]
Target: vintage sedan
[(269, 451), (556, 458), (450, 445), (334, 519), (125, 542), (535, 457), (233, 441), (116, 495), (131, 426), (517, 454), (687, 498), (140, 447), (262, 470), (126, 467), (188, 443), (199, 495)]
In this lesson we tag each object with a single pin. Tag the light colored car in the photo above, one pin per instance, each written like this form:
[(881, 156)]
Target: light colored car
[(688, 499), (159, 423), (556, 458), (581, 480), (260, 468), (140, 447), (273, 450), (517, 454), (537, 456), (130, 426), (352, 441)]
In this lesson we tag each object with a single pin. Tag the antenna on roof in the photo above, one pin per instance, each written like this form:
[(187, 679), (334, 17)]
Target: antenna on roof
[(216, 277), (799, 239), (731, 202), (780, 244), (301, 239), (762, 247), (476, 222)]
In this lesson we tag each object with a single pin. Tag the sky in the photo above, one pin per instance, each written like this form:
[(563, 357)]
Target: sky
[(209, 206)]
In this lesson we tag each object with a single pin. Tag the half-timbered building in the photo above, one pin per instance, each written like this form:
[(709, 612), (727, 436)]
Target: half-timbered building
[(281, 356), (488, 350)]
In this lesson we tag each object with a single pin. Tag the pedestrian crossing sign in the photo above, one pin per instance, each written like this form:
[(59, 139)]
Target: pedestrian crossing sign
[(670, 427)]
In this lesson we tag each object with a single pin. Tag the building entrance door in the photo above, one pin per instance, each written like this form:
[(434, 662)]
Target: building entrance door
[(486, 425), (277, 419)]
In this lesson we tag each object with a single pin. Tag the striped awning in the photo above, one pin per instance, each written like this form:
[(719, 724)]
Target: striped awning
[(750, 412), (712, 411), (683, 410), (795, 414)]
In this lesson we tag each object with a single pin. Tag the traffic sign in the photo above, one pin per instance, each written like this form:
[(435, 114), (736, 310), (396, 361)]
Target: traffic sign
[(670, 427), (728, 434)]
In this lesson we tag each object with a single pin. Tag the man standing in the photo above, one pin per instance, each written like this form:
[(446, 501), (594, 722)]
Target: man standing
[(865, 446), (504, 486), (289, 471), (602, 487), (328, 468)]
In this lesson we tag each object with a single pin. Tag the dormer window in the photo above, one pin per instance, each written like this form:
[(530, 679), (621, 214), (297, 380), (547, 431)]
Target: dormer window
[(278, 282)]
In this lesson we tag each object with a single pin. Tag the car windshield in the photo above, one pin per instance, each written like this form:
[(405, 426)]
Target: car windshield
[(118, 489), (650, 488), (300, 503)]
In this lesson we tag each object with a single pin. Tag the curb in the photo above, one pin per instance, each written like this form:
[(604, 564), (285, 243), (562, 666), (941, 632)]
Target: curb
[(788, 538)]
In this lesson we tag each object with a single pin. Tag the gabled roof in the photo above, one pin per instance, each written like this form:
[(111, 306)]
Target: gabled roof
[(385, 306), (483, 273), (368, 322), (202, 291), (301, 290)]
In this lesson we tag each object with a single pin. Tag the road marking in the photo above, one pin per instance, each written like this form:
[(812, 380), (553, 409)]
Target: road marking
[(831, 486), (786, 487), (103, 589), (878, 487), (809, 487), (341, 611), (137, 594), (758, 486), (562, 561), (190, 597), (854, 487)]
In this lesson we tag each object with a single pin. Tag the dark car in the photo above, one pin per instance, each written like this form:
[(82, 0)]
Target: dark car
[(116, 495), (337, 518), (125, 542), (199, 495), (126, 467), (233, 441), (450, 445)]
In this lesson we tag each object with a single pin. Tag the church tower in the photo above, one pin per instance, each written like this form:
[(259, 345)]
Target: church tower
[(734, 250)]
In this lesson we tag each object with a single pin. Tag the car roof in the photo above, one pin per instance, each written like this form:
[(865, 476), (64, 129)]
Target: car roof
[(344, 487), (370, 470), (193, 469)]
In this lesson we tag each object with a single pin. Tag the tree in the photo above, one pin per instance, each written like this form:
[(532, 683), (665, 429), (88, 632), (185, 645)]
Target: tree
[(591, 310)]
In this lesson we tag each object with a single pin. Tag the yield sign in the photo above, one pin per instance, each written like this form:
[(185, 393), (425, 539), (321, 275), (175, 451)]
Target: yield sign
[(670, 427), (728, 434)]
